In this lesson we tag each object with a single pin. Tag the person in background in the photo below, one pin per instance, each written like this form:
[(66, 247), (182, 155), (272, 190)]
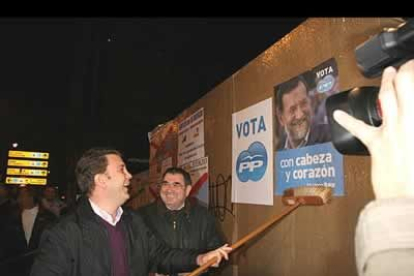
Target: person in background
[(6, 203), (51, 201), (384, 240), (7, 207), (180, 222), (101, 238), (22, 234)]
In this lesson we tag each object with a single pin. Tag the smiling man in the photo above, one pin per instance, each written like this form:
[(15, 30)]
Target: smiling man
[(180, 222), (101, 238), (295, 114)]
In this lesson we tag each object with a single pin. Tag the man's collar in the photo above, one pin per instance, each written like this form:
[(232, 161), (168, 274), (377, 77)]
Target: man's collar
[(162, 209), (33, 210), (288, 145), (105, 215)]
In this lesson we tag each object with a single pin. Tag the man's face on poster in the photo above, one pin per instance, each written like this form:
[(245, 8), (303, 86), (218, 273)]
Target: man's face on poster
[(296, 115)]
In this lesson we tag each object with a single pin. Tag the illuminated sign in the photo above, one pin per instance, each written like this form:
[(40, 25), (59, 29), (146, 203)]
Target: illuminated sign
[(19, 171), (28, 154), (26, 180), (27, 163), (27, 167)]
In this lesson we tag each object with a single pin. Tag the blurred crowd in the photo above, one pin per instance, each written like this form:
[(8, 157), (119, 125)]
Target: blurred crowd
[(25, 211)]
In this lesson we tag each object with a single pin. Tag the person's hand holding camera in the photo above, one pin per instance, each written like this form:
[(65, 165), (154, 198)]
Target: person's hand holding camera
[(391, 145)]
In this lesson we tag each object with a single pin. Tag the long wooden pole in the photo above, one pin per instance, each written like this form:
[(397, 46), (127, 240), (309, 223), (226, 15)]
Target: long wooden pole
[(248, 237)]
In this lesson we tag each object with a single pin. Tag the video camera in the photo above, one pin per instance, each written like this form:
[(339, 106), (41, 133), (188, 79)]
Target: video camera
[(392, 47)]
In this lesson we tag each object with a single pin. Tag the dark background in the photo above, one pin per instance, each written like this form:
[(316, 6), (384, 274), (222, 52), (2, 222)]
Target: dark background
[(67, 84)]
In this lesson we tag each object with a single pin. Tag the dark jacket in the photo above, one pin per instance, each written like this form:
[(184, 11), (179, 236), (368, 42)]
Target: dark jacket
[(78, 245), (6, 210), (192, 227), (20, 253), (43, 220)]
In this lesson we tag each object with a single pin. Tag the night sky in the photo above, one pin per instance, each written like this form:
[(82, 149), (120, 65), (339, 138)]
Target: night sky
[(70, 84)]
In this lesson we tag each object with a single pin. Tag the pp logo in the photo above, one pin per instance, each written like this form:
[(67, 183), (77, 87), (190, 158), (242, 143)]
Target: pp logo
[(252, 163), (325, 84)]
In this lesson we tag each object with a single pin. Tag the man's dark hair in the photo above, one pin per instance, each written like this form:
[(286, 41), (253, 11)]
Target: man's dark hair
[(92, 162), (175, 170), (287, 87)]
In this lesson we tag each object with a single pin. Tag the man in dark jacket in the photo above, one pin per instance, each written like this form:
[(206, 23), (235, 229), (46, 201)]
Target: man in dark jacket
[(100, 238), (7, 208), (25, 224), (179, 221)]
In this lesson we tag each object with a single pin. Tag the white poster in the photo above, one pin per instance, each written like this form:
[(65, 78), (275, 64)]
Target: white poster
[(198, 170), (191, 138), (252, 180)]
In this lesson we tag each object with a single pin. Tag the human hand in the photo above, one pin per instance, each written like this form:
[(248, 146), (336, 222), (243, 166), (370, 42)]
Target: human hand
[(392, 144), (219, 253)]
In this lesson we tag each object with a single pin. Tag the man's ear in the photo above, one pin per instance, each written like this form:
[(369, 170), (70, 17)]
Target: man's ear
[(100, 180), (188, 189)]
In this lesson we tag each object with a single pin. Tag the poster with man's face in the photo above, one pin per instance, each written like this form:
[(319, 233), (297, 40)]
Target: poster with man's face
[(300, 107), (305, 155)]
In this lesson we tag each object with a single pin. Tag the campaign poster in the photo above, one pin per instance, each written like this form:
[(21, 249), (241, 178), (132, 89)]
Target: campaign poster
[(198, 170), (191, 138), (305, 155), (252, 161), (163, 153)]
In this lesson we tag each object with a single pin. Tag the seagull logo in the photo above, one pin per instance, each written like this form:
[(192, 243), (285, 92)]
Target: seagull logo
[(252, 163)]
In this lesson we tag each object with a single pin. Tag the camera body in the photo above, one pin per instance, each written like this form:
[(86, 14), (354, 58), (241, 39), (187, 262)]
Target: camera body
[(392, 47)]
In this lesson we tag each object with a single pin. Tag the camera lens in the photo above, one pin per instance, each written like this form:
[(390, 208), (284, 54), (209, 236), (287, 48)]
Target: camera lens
[(361, 103)]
